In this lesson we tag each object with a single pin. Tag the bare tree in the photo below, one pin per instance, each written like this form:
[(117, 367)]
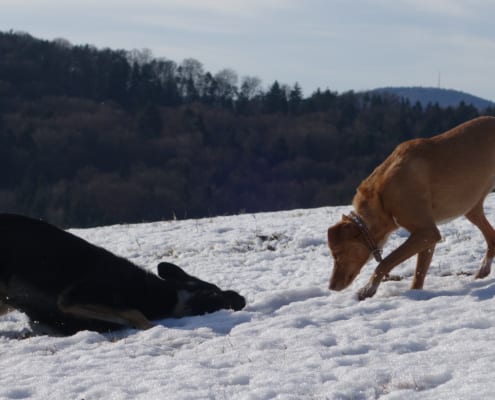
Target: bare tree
[(140, 56), (250, 87), (226, 80)]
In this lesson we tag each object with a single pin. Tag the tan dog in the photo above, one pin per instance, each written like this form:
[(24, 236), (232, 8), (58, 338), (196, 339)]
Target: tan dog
[(422, 183)]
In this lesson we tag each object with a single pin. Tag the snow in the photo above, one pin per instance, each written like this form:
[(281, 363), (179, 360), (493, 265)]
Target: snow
[(294, 340)]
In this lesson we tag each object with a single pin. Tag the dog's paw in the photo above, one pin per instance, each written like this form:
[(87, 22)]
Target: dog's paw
[(482, 273), (366, 292)]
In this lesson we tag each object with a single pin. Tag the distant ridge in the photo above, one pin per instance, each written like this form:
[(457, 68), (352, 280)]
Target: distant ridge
[(431, 95)]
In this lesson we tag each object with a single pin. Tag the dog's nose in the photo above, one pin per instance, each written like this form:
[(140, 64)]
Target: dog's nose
[(236, 301), (339, 282)]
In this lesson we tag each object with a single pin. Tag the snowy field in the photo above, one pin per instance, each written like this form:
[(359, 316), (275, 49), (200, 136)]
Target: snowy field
[(294, 340)]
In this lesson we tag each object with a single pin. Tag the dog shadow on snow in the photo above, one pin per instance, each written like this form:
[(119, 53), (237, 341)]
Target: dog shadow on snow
[(220, 322), (481, 290)]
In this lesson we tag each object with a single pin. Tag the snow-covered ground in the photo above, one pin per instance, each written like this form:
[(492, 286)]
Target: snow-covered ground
[(294, 340)]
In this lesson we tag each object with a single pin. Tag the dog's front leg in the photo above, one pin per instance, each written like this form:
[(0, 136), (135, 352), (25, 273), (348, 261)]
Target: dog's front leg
[(131, 317), (420, 240), (422, 265), (78, 300)]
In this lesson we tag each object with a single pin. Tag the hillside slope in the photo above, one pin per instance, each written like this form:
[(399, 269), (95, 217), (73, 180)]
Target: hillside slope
[(294, 340)]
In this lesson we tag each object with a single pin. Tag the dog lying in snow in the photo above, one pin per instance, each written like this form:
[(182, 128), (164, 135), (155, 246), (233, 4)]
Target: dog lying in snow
[(65, 284), (422, 183)]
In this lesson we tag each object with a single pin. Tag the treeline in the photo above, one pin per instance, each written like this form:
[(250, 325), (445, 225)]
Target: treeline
[(91, 137)]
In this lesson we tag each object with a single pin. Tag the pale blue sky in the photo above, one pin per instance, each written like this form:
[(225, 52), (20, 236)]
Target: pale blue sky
[(336, 44)]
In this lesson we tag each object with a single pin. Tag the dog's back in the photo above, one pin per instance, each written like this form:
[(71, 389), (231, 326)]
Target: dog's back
[(49, 257), (455, 170)]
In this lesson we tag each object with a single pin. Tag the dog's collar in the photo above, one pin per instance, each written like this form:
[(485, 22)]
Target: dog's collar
[(358, 221)]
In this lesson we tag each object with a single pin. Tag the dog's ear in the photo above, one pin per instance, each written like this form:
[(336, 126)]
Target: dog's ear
[(171, 272), (343, 230)]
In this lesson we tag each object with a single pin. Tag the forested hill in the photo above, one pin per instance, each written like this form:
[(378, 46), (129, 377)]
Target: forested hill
[(97, 136), (431, 95)]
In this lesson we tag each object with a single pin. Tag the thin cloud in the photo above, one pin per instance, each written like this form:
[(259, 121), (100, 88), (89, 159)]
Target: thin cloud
[(449, 8), (239, 8)]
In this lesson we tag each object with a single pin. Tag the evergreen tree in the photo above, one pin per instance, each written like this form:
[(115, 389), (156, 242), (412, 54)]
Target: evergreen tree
[(295, 99), (275, 100)]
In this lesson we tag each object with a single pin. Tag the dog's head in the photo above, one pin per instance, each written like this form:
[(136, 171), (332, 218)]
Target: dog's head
[(197, 297), (350, 252)]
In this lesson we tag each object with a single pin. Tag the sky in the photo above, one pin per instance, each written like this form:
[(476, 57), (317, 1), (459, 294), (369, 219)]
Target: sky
[(336, 44)]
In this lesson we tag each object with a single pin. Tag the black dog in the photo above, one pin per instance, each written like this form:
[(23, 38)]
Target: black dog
[(65, 284)]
